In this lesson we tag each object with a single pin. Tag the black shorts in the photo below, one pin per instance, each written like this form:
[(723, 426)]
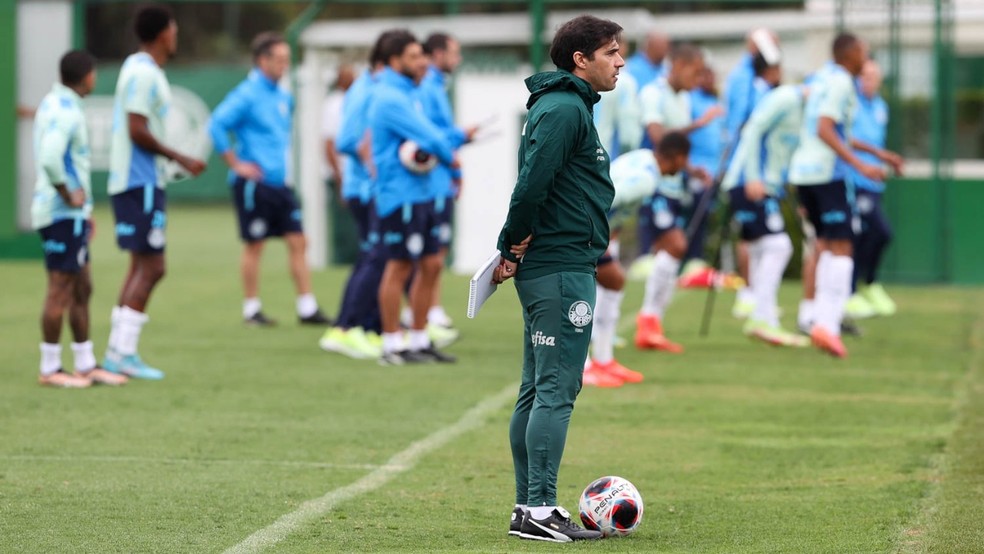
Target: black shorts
[(141, 219), (444, 217), (661, 214), (757, 219), (829, 209), (66, 245), (410, 232), (265, 211)]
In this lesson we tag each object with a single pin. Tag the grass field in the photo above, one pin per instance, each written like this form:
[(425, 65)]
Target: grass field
[(734, 446)]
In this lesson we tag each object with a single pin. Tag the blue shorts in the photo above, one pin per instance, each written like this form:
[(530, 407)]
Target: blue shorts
[(757, 219), (66, 245), (410, 232), (141, 219), (661, 214), (828, 207), (265, 211), (444, 217)]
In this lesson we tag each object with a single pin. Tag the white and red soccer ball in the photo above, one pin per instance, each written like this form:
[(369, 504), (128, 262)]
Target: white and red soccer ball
[(611, 505), (416, 160)]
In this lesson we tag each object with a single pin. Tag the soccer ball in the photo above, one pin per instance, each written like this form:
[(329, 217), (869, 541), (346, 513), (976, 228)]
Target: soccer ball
[(611, 505), (416, 160)]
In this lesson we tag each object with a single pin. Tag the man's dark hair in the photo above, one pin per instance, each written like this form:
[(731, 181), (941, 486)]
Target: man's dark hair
[(263, 44), (375, 54), (759, 64), (672, 144), (151, 21), (584, 34), (842, 45), (686, 52), (435, 42), (395, 44), (74, 66)]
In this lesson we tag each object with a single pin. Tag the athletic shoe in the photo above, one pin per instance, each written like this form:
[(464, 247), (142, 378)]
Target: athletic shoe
[(595, 377), (618, 371), (402, 357), (131, 366), (557, 527), (707, 277), (100, 376), (64, 380), (827, 342), (774, 335), (346, 342), (259, 320), (442, 337), (649, 335), (742, 308), (880, 301), (434, 355), (317, 318), (516, 522), (374, 340), (858, 307), (441, 319), (850, 328)]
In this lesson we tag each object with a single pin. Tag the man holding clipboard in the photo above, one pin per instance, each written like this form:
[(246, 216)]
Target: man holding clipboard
[(557, 226)]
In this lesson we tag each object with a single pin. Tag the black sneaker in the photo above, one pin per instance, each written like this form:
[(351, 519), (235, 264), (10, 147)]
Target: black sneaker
[(260, 320), (434, 355), (517, 521), (850, 329), (557, 527), (403, 357), (317, 318)]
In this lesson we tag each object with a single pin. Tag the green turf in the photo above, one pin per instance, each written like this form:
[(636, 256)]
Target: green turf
[(735, 446)]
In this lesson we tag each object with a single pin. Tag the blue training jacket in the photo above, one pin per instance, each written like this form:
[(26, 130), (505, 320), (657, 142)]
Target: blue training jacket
[(258, 113), (434, 97), (396, 115), (870, 126), (739, 92), (356, 182), (707, 143)]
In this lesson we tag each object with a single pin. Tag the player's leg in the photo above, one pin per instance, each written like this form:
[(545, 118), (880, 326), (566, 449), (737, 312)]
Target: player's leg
[(285, 220), (429, 269), (444, 212), (253, 224), (669, 247), (865, 243), (517, 428), (560, 322), (744, 298), (64, 252), (879, 233), (604, 370), (249, 272), (835, 266), (806, 313), (78, 318)]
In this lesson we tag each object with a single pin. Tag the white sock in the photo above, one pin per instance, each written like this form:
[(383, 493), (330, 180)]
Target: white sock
[(418, 339), (615, 249), (807, 313), (114, 323), (773, 253), (307, 304), (541, 512), (523, 507), (128, 334), (392, 342), (833, 290), (660, 284), (436, 315), (251, 307), (746, 294), (607, 310), (50, 358), (85, 360)]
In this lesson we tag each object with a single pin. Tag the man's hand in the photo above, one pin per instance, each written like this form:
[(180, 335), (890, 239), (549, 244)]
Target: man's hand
[(710, 115), (700, 173), (755, 191), (519, 250), (248, 170), (76, 198), (503, 271), (194, 166), (470, 133), (894, 160), (873, 172)]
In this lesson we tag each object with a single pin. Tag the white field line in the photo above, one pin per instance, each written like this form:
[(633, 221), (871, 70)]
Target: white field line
[(400, 463), (185, 461)]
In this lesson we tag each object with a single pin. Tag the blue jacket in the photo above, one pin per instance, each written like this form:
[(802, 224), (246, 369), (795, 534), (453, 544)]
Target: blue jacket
[(396, 115), (707, 143), (356, 182), (258, 112), (437, 108), (870, 125), (739, 91), (643, 70)]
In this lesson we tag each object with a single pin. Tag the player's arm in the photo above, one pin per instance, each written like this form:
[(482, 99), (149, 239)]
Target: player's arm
[(51, 154), (137, 107), (225, 119), (550, 142), (407, 122), (891, 158), (827, 132), (764, 118)]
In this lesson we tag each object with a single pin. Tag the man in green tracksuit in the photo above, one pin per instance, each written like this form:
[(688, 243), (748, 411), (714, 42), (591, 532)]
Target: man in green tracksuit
[(556, 230)]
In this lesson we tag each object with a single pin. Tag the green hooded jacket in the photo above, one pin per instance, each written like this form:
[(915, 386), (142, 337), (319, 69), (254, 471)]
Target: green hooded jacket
[(563, 192)]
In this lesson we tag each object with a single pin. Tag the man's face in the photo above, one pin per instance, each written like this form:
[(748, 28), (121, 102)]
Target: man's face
[(88, 84), (871, 79), (275, 63), (411, 63), (684, 75), (856, 56), (772, 75), (601, 70), (170, 38), (657, 47), (448, 60)]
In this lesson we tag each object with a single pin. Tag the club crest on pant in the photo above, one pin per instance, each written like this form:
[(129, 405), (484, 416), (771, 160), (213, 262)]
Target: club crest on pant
[(80, 257), (579, 313), (415, 244), (155, 238), (258, 228)]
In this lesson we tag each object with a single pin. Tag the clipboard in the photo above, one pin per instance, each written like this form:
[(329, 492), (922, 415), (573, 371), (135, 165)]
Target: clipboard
[(481, 287)]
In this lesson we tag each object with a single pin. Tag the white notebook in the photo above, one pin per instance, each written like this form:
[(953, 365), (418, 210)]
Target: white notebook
[(481, 287)]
